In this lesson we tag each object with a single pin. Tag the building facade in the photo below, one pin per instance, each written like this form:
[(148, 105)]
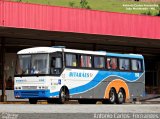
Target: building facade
[(29, 25)]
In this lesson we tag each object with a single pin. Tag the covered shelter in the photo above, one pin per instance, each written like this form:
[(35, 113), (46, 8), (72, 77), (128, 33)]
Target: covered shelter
[(24, 25)]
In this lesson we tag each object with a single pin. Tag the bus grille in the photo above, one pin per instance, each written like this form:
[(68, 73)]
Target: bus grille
[(29, 94), (29, 87)]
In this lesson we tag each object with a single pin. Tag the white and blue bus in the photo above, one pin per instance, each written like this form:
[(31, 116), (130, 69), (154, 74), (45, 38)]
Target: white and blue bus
[(58, 74)]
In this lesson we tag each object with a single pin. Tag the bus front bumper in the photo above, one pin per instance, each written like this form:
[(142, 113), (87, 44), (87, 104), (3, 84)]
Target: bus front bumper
[(31, 93)]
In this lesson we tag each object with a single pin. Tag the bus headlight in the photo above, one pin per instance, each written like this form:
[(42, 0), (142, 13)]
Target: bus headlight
[(17, 88), (43, 87)]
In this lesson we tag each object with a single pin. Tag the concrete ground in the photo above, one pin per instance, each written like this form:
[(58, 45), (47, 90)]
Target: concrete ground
[(79, 111), (75, 108)]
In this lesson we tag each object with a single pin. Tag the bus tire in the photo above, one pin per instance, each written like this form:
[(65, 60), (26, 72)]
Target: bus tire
[(112, 96), (121, 96), (32, 101), (63, 95)]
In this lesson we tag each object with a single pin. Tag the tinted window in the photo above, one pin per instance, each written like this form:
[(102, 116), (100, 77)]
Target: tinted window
[(71, 60), (99, 62), (112, 63), (86, 61), (124, 64), (136, 65), (56, 64)]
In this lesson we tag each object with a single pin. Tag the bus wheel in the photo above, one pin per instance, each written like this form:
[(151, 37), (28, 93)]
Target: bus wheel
[(112, 96), (121, 96), (63, 95), (32, 101)]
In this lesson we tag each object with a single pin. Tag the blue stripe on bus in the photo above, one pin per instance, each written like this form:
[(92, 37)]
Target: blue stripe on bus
[(102, 75), (32, 93), (125, 55)]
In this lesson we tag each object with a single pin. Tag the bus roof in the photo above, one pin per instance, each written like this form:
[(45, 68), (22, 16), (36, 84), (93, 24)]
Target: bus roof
[(36, 50)]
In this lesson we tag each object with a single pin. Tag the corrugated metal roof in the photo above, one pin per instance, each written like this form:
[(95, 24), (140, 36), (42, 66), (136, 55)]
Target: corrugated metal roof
[(43, 17)]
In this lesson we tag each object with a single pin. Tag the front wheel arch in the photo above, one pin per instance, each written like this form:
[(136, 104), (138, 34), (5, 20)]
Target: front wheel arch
[(63, 94)]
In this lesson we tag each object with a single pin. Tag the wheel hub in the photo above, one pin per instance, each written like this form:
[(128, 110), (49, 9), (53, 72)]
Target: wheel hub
[(120, 96), (112, 97)]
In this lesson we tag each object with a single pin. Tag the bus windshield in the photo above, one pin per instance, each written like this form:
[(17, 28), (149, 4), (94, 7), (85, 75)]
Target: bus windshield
[(32, 64)]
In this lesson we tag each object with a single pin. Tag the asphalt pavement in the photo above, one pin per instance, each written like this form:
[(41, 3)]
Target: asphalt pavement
[(79, 111), (79, 108)]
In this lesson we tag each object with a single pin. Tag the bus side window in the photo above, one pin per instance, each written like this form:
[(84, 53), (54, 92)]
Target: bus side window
[(124, 64), (112, 63), (99, 62), (86, 61), (139, 65), (136, 65), (71, 60), (108, 63)]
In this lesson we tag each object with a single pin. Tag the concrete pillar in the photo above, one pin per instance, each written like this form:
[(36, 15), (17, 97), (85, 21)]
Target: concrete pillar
[(158, 77), (3, 96)]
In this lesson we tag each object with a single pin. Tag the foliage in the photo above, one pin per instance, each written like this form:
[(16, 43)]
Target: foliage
[(147, 13), (158, 9), (72, 4), (84, 4), (104, 5)]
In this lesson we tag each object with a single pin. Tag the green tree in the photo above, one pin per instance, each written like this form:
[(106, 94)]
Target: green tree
[(84, 4), (72, 4), (158, 9), (147, 13)]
